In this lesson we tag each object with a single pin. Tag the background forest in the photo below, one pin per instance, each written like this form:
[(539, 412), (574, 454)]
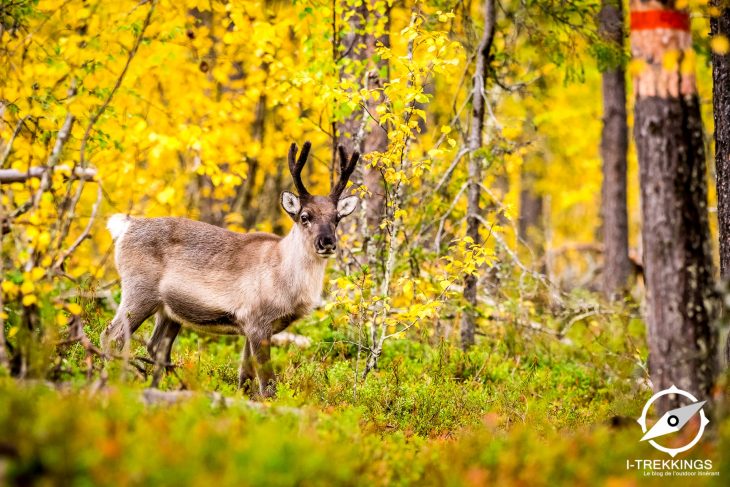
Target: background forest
[(485, 318)]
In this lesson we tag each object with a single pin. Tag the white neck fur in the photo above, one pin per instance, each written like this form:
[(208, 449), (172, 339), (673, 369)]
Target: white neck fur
[(301, 265)]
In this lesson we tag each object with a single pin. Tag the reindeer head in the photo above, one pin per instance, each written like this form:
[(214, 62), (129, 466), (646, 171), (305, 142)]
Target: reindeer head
[(318, 216)]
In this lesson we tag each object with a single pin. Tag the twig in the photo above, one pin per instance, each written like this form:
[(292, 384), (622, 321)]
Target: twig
[(564, 331), (3, 350), (85, 233), (516, 260), (61, 139), (450, 170), (9, 147), (442, 220), (8, 176)]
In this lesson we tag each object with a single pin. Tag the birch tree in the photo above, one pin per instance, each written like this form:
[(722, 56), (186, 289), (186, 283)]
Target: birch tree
[(475, 161)]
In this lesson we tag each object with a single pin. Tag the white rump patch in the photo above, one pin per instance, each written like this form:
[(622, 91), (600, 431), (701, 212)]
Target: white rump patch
[(290, 202), (118, 224), (347, 205)]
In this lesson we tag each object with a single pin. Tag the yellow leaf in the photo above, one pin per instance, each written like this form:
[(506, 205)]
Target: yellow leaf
[(37, 273), (29, 299), (9, 287), (12, 332), (670, 59), (407, 287), (511, 133), (636, 67), (720, 44), (74, 308), (166, 195), (27, 287)]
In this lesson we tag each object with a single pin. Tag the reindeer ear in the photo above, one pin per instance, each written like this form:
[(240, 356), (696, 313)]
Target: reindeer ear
[(346, 206), (291, 204)]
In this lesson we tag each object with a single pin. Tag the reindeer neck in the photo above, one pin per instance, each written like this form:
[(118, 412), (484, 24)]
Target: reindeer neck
[(299, 260)]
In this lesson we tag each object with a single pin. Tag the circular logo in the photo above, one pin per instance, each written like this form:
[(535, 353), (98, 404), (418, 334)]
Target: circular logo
[(673, 421)]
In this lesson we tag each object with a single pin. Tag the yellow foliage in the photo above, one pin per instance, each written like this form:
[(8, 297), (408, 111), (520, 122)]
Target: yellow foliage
[(74, 308), (720, 44)]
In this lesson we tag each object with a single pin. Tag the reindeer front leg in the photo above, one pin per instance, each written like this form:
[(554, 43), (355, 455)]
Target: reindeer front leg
[(246, 372), (257, 356), (163, 337)]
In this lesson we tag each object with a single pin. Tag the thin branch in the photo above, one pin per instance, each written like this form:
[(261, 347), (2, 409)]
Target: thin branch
[(85, 233), (442, 220), (9, 147), (8, 176), (45, 185), (450, 170)]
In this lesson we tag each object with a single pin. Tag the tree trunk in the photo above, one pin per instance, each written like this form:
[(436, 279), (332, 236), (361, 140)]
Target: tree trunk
[(530, 221), (676, 238), (721, 106), (358, 131), (476, 157), (614, 146)]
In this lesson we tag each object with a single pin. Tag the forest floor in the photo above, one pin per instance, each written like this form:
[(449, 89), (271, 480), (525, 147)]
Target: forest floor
[(517, 410)]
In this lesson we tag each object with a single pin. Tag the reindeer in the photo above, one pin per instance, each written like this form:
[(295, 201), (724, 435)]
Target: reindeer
[(195, 275)]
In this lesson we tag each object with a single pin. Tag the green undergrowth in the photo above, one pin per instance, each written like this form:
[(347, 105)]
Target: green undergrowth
[(519, 409)]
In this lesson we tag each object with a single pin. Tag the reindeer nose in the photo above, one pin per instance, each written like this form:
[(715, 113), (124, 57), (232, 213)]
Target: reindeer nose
[(326, 243)]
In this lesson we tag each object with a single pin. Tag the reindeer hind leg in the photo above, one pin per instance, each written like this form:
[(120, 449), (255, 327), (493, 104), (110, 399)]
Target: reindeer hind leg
[(135, 307)]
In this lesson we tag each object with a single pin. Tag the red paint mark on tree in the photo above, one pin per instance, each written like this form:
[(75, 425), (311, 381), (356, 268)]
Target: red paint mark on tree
[(659, 19)]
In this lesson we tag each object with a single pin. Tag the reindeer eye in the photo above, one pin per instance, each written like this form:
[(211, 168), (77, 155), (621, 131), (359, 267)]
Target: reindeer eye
[(304, 218)]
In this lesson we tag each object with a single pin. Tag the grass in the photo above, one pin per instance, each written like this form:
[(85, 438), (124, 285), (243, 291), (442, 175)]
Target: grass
[(520, 409)]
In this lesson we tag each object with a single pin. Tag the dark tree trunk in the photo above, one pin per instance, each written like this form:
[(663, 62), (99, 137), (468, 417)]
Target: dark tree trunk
[(355, 132), (721, 106), (468, 320), (676, 238), (376, 139), (677, 262), (614, 146), (529, 223)]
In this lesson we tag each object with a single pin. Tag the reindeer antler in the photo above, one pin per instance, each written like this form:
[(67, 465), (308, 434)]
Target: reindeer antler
[(295, 167), (346, 169)]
